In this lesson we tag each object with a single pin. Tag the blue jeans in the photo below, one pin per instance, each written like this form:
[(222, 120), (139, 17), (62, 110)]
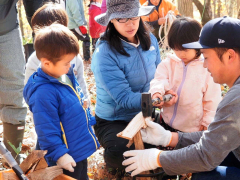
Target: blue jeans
[(229, 169)]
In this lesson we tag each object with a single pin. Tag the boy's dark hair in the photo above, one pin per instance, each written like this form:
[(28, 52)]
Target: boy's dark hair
[(184, 30), (54, 41), (112, 36), (221, 51), (48, 14)]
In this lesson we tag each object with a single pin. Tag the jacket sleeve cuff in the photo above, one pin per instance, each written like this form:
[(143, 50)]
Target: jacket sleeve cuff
[(60, 153)]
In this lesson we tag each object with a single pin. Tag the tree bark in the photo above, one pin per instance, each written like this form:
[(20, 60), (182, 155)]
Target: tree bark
[(219, 8), (214, 8), (206, 12), (20, 17), (185, 7), (230, 9)]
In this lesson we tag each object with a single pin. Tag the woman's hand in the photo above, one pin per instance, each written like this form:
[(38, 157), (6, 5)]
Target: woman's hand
[(158, 95), (173, 100)]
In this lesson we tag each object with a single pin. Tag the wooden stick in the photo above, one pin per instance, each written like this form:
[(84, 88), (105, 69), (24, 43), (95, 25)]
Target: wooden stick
[(137, 139), (133, 127)]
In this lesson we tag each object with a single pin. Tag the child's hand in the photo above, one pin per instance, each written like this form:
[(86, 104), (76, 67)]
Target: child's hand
[(85, 103), (158, 95), (202, 128), (173, 100), (66, 162)]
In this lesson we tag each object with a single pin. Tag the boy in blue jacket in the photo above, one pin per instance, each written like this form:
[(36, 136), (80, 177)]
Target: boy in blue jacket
[(53, 94)]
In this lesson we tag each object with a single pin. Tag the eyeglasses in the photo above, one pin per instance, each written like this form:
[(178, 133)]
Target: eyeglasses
[(124, 20)]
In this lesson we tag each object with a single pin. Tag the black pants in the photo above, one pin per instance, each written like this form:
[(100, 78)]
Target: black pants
[(94, 40), (114, 146), (85, 45), (80, 171)]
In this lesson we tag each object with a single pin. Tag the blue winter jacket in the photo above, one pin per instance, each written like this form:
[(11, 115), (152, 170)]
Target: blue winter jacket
[(53, 103), (120, 80)]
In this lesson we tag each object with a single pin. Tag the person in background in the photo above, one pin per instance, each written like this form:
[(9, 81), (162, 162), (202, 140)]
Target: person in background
[(13, 110), (95, 28), (123, 64), (54, 97), (46, 15), (77, 23), (157, 17), (183, 74)]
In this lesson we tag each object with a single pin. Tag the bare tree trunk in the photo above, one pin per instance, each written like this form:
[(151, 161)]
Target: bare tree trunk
[(205, 10), (20, 17), (238, 16), (230, 10), (238, 9), (219, 8), (214, 8), (185, 7)]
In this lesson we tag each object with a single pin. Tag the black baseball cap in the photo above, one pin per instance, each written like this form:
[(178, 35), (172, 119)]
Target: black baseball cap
[(220, 32)]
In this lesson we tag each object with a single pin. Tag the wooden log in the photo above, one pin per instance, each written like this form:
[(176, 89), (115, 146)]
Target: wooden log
[(137, 123), (137, 139), (45, 174), (31, 160)]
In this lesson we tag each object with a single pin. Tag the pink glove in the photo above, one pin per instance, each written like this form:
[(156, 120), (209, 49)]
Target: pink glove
[(83, 29), (66, 162)]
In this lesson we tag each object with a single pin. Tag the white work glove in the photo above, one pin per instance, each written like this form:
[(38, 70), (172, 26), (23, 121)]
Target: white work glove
[(66, 162), (141, 160), (155, 134)]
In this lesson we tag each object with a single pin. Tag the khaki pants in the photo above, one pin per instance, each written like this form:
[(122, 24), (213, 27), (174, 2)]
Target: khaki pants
[(12, 64)]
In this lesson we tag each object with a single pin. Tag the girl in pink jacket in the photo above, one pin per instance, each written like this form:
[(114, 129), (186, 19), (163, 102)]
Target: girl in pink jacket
[(195, 95)]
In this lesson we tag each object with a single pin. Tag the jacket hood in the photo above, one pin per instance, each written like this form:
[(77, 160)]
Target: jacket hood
[(37, 79)]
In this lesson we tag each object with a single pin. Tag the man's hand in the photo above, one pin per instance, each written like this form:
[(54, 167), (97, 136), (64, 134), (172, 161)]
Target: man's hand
[(83, 29), (141, 160), (155, 134), (66, 162), (173, 100), (161, 21), (158, 95)]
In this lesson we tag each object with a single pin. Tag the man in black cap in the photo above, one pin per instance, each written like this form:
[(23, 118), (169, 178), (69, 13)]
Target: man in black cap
[(214, 153)]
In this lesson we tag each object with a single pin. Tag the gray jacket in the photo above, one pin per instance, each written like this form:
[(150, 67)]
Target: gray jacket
[(204, 151), (8, 16)]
